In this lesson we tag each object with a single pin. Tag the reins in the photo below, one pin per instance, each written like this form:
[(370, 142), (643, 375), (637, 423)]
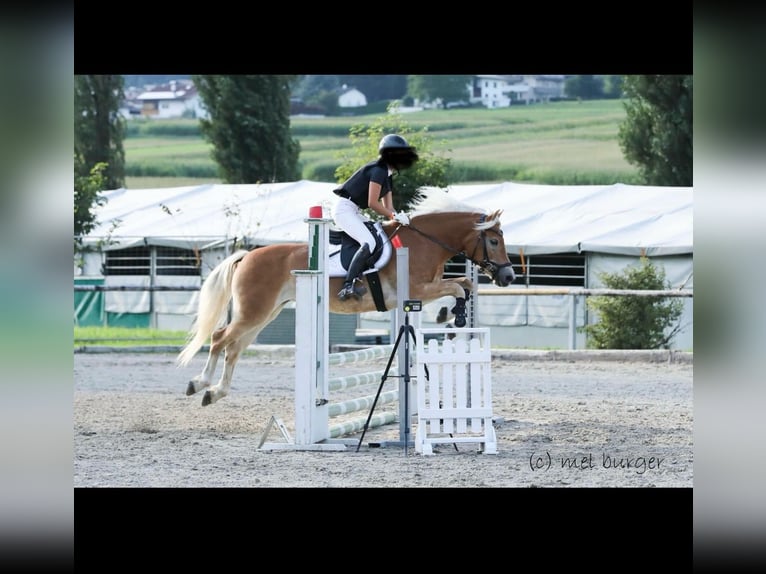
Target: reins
[(489, 266)]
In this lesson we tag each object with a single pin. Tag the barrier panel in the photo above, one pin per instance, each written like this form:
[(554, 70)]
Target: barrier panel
[(454, 390)]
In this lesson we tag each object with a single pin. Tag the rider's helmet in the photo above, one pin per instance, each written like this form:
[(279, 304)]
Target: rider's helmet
[(395, 151)]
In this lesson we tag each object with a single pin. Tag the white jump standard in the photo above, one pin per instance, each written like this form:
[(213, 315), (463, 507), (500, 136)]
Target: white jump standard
[(313, 409)]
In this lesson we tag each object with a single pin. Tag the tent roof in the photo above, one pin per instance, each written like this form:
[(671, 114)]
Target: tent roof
[(619, 219)]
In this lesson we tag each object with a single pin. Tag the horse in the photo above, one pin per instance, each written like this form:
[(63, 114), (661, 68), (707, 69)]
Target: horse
[(260, 281)]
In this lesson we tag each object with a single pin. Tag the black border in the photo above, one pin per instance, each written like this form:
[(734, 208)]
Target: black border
[(506, 528)]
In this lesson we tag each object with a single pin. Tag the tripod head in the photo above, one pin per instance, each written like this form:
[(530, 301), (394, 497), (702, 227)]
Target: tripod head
[(412, 305)]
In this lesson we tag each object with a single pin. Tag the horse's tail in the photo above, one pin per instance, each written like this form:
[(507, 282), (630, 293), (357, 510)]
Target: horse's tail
[(214, 297)]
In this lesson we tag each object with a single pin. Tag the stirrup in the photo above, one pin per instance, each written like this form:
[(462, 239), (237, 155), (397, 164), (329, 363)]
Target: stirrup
[(351, 290)]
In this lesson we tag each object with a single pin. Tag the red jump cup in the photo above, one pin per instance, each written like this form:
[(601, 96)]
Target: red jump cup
[(315, 212)]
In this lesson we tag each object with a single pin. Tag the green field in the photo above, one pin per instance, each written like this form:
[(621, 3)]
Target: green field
[(563, 143)]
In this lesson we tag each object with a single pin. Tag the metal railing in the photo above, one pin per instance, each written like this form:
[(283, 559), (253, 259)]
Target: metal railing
[(574, 293)]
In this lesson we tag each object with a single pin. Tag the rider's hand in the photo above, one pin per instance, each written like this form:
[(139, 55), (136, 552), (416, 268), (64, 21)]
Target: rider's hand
[(402, 218)]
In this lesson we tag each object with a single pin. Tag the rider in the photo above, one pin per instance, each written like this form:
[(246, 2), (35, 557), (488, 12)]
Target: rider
[(371, 186)]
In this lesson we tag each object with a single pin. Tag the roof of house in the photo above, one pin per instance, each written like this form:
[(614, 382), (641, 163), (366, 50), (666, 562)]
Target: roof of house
[(173, 91)]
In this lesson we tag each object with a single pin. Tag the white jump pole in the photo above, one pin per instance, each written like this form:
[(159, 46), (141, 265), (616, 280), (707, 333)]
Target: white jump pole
[(407, 400), (312, 337)]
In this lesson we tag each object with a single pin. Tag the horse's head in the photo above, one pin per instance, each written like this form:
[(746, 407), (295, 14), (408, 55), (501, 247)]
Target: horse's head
[(459, 228), (488, 251)]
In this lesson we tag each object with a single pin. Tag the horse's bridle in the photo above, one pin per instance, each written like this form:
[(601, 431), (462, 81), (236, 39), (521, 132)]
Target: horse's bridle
[(489, 267)]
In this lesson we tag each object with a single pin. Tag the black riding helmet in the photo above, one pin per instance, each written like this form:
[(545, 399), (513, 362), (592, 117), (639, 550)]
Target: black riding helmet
[(395, 151)]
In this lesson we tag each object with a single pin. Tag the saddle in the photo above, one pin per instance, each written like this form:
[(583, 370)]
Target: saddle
[(347, 246)]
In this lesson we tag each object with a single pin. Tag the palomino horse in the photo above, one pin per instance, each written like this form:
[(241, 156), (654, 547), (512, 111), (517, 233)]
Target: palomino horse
[(261, 283)]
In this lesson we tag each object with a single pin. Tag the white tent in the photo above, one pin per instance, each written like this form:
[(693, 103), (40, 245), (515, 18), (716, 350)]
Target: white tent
[(206, 215), (612, 225), (617, 219)]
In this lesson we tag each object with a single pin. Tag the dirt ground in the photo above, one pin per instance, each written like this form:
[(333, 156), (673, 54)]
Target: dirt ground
[(560, 423)]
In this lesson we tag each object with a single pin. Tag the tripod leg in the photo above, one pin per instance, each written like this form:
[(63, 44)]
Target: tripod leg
[(380, 387)]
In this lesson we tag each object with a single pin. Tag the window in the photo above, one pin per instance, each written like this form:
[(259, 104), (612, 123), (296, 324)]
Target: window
[(131, 261), (175, 261), (557, 270), (139, 261), (560, 270)]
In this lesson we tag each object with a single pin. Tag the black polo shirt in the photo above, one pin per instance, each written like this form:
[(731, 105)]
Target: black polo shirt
[(356, 188)]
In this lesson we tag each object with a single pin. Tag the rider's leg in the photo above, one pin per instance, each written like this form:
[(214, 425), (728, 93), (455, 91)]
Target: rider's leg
[(355, 268), (350, 218)]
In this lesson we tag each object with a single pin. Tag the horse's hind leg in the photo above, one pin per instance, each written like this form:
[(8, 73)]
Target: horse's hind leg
[(204, 379), (237, 344)]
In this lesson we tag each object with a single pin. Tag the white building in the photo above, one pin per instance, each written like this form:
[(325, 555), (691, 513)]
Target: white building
[(502, 91), (351, 98), (177, 99)]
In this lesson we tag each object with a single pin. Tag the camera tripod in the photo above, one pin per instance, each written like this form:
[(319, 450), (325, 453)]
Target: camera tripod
[(406, 331)]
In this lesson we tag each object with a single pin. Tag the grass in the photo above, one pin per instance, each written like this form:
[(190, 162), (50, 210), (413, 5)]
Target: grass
[(126, 337), (562, 143)]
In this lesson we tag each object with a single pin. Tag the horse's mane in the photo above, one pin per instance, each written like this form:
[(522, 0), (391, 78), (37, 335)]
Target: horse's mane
[(436, 200)]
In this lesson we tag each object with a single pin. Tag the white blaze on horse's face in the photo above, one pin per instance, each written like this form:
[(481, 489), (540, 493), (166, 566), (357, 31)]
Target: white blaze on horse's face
[(493, 259)]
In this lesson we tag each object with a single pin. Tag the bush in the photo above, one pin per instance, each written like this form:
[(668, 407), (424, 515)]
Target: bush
[(632, 322), (323, 171)]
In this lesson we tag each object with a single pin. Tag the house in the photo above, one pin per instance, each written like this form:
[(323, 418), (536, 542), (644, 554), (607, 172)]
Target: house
[(178, 98), (495, 91), (351, 98)]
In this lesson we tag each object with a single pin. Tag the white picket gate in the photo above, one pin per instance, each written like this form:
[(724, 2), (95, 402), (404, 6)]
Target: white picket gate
[(454, 389)]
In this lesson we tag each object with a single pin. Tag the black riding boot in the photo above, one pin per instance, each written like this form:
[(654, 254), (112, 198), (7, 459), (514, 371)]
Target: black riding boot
[(355, 268)]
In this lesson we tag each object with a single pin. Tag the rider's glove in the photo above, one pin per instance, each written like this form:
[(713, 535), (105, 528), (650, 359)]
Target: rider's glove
[(402, 218)]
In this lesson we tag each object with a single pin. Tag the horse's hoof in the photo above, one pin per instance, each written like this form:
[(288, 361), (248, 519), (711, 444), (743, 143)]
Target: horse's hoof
[(442, 316), (460, 321), (190, 390), (207, 399)]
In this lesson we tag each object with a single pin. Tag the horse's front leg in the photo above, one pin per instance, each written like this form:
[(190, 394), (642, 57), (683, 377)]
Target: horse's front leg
[(459, 288), (459, 309)]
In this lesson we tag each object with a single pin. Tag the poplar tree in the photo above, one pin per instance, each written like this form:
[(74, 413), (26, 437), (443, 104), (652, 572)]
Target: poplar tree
[(656, 135), (99, 129), (248, 124)]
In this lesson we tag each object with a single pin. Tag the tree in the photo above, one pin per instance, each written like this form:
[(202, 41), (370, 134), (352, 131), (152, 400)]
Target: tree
[(631, 322), (442, 87), (87, 195), (657, 133), (584, 87), (309, 86), (249, 127), (429, 170), (99, 129), (613, 87), (326, 101), (377, 87)]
